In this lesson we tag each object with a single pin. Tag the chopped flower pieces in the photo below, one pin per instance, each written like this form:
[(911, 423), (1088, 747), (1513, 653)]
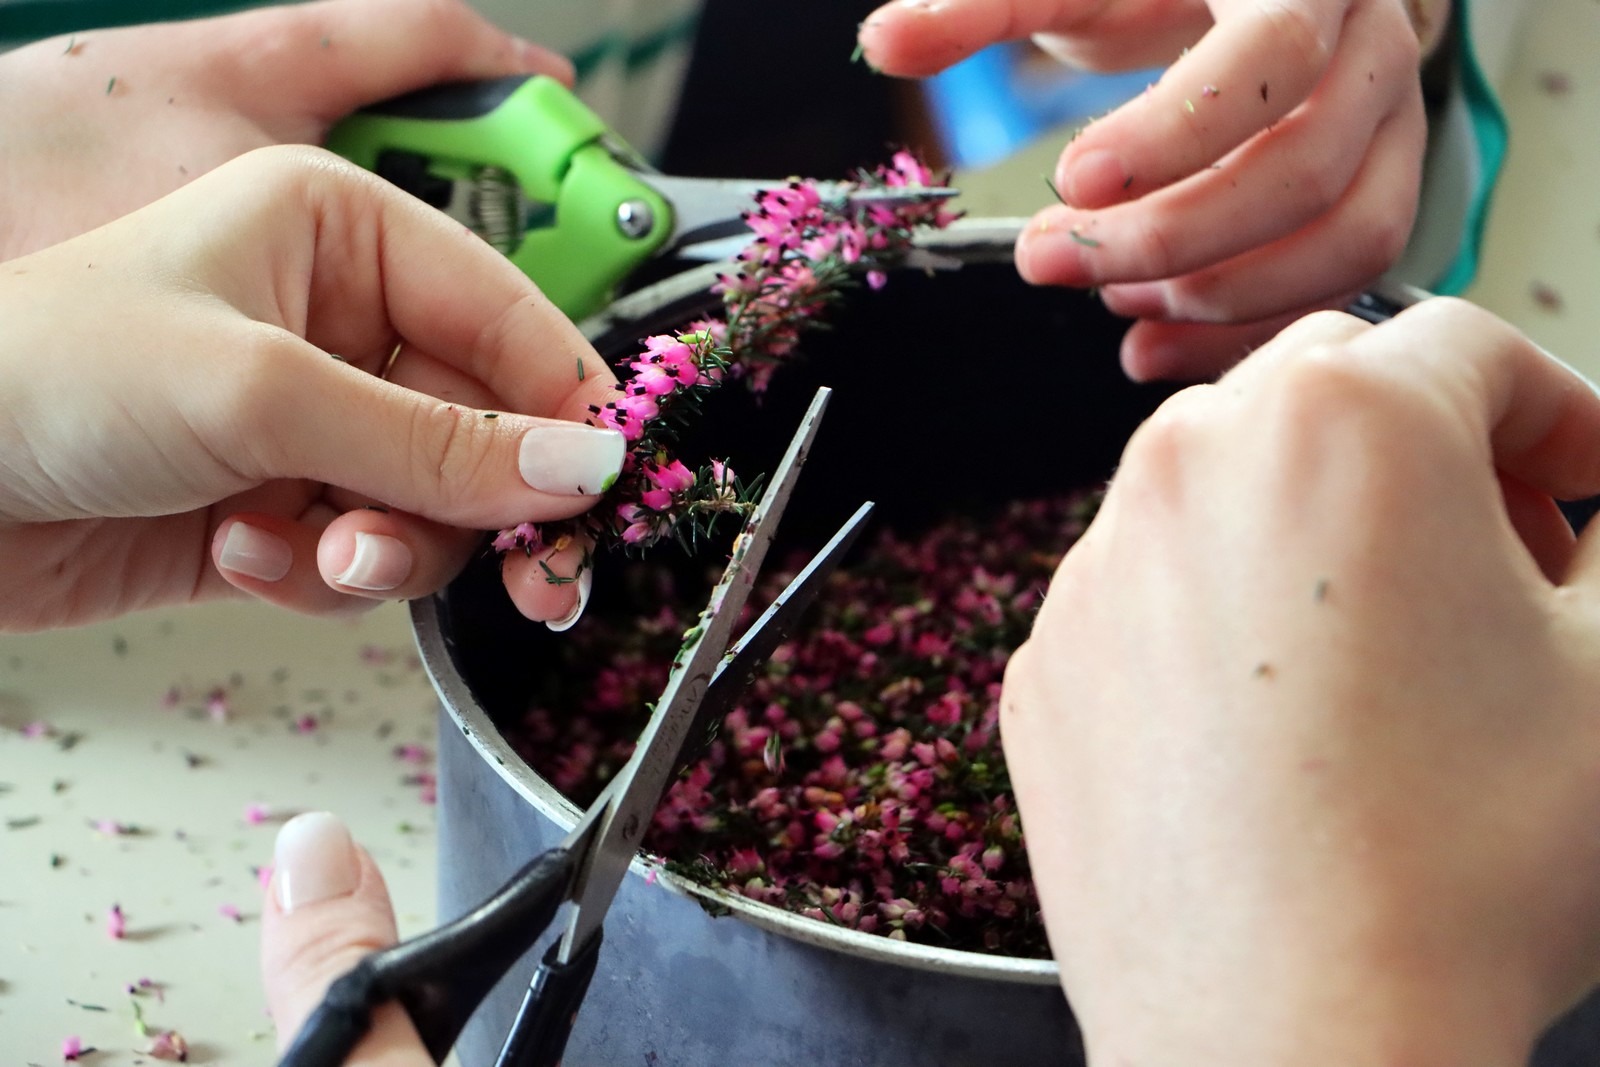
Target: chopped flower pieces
[(116, 923)]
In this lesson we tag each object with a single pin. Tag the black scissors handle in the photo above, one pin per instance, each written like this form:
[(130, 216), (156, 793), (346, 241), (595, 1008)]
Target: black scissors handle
[(442, 976), (549, 1008)]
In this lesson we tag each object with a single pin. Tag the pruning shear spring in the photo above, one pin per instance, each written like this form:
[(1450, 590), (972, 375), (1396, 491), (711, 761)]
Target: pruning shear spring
[(440, 977)]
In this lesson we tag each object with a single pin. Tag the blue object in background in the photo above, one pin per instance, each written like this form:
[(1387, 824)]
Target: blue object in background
[(988, 106)]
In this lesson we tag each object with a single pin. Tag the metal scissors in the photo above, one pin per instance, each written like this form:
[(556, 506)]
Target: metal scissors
[(440, 977), (524, 164)]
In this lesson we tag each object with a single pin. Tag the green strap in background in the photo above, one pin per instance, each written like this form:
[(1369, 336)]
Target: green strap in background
[(1491, 133), (29, 20)]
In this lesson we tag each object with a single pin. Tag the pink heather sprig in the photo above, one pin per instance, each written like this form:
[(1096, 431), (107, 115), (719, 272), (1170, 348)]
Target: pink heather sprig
[(806, 251)]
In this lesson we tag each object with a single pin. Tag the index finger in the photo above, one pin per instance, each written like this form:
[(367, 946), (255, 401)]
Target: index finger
[(1539, 418), (1255, 65), (915, 38)]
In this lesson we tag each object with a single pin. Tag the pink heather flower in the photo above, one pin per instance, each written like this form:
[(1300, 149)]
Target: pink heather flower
[(72, 1048), (412, 753), (116, 923), (256, 814), (112, 828), (264, 876), (169, 1045), (36, 729), (377, 656), (523, 536), (217, 705), (231, 912), (674, 477), (946, 711), (307, 724), (876, 279)]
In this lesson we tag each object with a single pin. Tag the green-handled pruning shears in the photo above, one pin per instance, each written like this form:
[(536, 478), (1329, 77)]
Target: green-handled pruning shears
[(530, 169)]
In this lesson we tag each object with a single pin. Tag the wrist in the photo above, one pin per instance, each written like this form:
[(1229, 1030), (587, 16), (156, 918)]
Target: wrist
[(1370, 1023)]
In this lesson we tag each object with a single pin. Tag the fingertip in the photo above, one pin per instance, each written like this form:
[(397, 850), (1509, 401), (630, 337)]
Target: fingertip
[(537, 59), (390, 555), (551, 587), (249, 554)]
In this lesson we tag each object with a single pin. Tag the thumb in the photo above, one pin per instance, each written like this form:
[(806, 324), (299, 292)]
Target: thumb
[(326, 908)]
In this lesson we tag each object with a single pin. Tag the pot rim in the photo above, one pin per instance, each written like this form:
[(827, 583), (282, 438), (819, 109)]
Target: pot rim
[(965, 241)]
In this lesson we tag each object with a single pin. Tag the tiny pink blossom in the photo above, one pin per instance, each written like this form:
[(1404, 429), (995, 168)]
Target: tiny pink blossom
[(72, 1049), (217, 705), (412, 753), (256, 814), (116, 923), (231, 912), (36, 728), (169, 1045)]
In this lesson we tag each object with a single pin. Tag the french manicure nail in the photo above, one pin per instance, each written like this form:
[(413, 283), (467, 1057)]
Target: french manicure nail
[(380, 563), (255, 553), (571, 459), (585, 580), (314, 860)]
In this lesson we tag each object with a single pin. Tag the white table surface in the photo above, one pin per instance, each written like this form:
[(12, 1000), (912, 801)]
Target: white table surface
[(117, 751)]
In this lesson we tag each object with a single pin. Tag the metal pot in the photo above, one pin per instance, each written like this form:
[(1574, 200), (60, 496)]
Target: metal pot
[(696, 976)]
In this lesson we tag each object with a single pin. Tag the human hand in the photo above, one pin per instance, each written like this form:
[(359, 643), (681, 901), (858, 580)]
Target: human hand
[(1304, 738), (1274, 168), (100, 123), (174, 428), (326, 907)]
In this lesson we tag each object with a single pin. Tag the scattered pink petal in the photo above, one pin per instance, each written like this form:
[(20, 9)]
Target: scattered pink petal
[(412, 753), (264, 875), (307, 724), (113, 828), (116, 923), (169, 1045), (231, 911), (217, 705), (72, 1049), (37, 729), (256, 814), (147, 985), (172, 698)]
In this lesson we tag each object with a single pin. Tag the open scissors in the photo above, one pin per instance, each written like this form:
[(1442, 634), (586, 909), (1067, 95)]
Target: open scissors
[(440, 977), (524, 164)]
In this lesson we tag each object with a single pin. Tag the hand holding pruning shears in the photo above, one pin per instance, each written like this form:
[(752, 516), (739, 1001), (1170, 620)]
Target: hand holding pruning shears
[(102, 122), (1273, 169)]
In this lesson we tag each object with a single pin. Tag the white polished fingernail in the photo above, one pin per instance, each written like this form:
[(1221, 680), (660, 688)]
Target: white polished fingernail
[(255, 553), (571, 459), (585, 580), (380, 563), (314, 860)]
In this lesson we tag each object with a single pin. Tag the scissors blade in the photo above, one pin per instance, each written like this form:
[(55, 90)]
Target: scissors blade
[(641, 783), (709, 211), (747, 655)]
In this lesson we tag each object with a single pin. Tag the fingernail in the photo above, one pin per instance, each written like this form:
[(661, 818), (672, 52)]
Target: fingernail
[(571, 459), (923, 5), (314, 860), (380, 563), (585, 580), (255, 553)]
